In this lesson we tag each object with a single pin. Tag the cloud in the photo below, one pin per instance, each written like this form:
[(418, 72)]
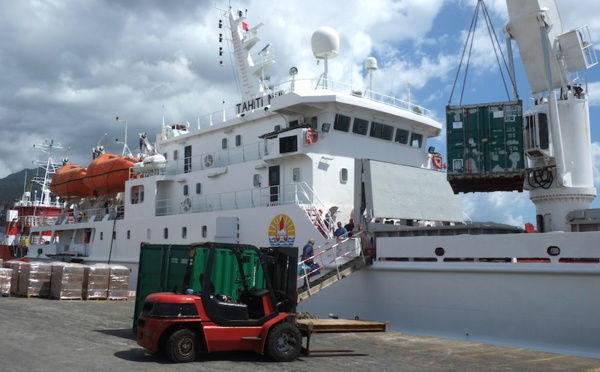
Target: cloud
[(512, 208)]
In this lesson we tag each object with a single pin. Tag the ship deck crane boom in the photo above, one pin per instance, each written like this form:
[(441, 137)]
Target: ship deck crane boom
[(556, 127)]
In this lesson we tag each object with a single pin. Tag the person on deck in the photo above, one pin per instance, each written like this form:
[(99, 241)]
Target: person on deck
[(349, 227), (305, 267), (308, 252), (340, 232)]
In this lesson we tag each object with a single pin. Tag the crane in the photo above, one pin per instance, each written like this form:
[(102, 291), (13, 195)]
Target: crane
[(557, 140)]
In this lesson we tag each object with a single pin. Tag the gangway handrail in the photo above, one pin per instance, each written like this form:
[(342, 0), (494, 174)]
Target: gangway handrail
[(322, 265)]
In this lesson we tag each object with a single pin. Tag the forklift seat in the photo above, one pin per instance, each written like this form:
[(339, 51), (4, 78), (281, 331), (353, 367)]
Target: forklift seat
[(231, 310)]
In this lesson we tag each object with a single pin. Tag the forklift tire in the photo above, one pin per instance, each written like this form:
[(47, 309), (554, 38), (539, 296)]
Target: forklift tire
[(181, 346), (284, 342)]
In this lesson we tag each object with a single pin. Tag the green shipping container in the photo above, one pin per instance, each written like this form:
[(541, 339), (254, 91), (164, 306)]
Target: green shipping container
[(174, 268), (485, 147), (161, 269)]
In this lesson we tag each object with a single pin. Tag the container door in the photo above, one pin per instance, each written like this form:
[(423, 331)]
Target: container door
[(161, 269)]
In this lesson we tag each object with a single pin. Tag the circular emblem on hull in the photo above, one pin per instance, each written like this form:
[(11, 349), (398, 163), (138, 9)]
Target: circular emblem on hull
[(282, 231)]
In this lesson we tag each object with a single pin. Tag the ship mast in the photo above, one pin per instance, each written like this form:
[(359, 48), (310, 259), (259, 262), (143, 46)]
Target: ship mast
[(44, 161), (251, 73)]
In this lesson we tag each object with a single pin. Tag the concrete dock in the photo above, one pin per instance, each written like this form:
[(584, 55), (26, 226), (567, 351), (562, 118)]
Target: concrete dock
[(50, 335)]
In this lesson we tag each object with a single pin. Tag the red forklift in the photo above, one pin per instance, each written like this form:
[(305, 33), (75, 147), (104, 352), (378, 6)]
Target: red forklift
[(233, 298)]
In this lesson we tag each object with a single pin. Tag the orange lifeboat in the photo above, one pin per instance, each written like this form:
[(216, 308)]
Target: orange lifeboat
[(68, 183), (107, 173)]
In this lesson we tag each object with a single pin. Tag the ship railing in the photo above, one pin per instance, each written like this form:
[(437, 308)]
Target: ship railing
[(211, 160), (91, 215), (330, 256), (292, 85), (345, 88), (34, 221), (295, 193), (314, 210)]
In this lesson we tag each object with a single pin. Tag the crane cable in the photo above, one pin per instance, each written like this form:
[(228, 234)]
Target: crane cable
[(469, 46)]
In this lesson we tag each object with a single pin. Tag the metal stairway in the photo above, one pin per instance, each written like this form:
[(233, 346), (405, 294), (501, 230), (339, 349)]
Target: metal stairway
[(336, 261)]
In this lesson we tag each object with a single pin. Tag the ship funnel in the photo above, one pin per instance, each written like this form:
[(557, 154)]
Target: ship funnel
[(325, 44)]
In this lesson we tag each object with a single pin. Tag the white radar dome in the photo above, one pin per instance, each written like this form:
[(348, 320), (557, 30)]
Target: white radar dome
[(325, 43), (371, 64)]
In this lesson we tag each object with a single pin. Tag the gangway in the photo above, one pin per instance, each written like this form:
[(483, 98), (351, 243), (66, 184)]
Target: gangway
[(336, 260)]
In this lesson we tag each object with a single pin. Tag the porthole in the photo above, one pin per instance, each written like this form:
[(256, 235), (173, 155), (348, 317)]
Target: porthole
[(439, 251), (553, 250)]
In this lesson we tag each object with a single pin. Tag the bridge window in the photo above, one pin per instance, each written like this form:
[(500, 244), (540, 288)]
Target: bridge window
[(382, 131), (288, 144), (416, 140), (342, 123), (401, 136), (360, 126)]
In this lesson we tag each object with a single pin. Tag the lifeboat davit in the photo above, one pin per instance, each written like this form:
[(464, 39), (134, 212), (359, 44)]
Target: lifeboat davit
[(107, 173), (68, 183)]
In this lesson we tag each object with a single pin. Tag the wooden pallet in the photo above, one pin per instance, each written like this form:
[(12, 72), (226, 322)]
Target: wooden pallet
[(340, 325)]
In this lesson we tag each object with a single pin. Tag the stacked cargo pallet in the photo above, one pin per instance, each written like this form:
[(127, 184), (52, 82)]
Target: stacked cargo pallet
[(16, 267), (34, 279), (65, 281), (95, 283), (118, 286), (5, 279)]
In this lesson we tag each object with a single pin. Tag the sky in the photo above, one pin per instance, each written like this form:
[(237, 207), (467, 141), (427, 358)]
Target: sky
[(68, 68)]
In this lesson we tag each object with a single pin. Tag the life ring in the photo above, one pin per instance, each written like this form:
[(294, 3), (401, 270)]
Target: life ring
[(311, 136), (42, 241), (437, 161)]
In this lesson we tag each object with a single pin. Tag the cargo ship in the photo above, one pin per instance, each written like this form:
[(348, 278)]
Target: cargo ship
[(32, 211), (291, 160)]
